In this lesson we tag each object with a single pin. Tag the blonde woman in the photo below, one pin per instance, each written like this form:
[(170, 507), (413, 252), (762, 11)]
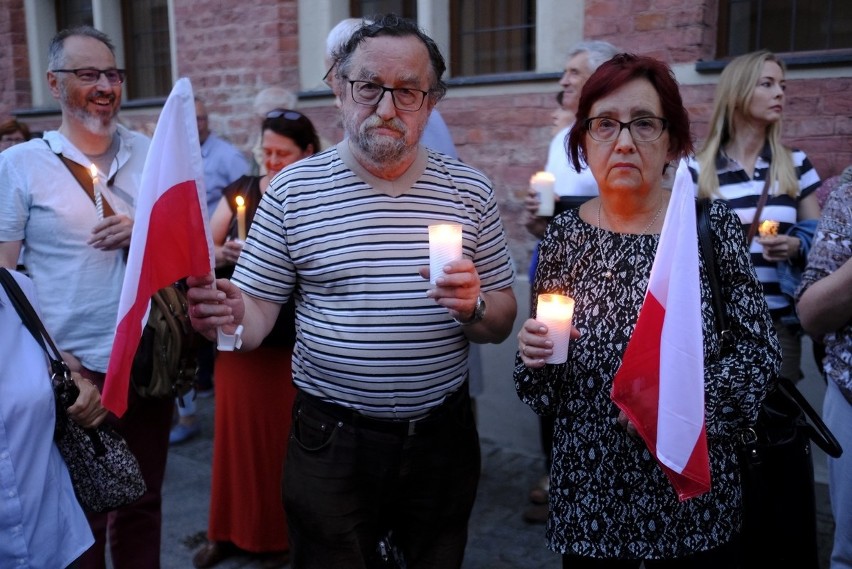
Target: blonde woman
[(743, 147)]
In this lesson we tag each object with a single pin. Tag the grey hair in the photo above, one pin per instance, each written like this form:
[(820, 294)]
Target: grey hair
[(341, 33), (394, 26), (56, 51), (599, 51)]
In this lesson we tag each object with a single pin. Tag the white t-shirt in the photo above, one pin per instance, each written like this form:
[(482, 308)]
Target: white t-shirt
[(568, 181), (42, 204)]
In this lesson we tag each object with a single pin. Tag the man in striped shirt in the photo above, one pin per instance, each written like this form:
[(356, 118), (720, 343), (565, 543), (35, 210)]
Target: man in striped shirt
[(385, 456)]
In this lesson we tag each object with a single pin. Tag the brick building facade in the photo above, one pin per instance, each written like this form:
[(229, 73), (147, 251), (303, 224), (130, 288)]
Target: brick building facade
[(231, 49)]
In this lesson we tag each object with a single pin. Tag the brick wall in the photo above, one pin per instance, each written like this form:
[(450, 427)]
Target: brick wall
[(231, 49), (14, 60)]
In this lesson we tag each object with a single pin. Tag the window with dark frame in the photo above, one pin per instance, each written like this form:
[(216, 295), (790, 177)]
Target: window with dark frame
[(783, 26), (147, 48), (73, 13), (492, 36), (404, 8)]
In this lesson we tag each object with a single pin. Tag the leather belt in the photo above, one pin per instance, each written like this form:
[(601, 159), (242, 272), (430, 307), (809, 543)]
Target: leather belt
[(402, 428)]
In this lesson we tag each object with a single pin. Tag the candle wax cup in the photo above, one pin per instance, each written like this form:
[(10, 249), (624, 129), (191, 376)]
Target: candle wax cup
[(542, 182), (241, 218), (556, 311), (445, 245)]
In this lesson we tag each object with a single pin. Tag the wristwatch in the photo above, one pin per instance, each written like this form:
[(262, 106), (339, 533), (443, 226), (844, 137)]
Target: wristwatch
[(478, 313)]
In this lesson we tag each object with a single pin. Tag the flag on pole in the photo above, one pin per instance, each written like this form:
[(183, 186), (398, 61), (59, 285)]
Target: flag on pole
[(170, 239), (660, 384)]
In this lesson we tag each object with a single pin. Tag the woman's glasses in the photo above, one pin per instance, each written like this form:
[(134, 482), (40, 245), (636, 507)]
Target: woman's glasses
[(643, 129)]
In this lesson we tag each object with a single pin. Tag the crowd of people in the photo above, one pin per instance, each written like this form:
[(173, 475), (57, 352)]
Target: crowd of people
[(345, 433)]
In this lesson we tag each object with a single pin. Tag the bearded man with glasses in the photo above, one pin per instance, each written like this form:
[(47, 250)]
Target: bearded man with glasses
[(75, 254), (383, 461)]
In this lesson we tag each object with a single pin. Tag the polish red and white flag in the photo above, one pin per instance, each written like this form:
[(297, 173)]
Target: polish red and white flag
[(170, 238), (660, 384)]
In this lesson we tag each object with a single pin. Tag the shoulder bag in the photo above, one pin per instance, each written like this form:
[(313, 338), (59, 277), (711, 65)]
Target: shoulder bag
[(104, 472), (779, 506)]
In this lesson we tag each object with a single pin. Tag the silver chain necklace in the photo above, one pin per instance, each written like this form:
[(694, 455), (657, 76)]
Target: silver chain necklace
[(611, 266)]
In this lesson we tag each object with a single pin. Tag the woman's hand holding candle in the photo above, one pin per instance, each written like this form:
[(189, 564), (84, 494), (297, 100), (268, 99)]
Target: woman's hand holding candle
[(545, 339)]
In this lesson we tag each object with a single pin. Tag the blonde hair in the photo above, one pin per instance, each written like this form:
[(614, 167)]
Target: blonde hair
[(733, 95)]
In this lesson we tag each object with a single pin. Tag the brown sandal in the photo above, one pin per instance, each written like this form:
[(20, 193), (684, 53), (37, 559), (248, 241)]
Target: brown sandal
[(212, 553)]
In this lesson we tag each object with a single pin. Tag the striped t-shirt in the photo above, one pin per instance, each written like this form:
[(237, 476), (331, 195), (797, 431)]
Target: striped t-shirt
[(742, 194), (349, 247)]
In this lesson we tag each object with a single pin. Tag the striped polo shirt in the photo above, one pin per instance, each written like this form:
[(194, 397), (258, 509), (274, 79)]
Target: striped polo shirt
[(742, 193), (349, 247)]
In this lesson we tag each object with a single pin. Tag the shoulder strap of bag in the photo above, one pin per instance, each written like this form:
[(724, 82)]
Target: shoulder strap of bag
[(705, 240), (818, 431), (755, 222), (32, 321), (84, 179)]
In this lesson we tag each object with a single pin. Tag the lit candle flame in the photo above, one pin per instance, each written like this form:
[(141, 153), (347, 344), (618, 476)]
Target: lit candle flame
[(241, 217), (94, 171), (768, 228)]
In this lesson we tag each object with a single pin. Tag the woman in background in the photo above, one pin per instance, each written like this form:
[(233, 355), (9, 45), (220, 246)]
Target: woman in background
[(254, 390), (742, 151)]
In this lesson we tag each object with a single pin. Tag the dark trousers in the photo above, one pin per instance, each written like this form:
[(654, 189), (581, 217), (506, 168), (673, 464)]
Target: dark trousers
[(724, 557), (134, 530), (350, 481)]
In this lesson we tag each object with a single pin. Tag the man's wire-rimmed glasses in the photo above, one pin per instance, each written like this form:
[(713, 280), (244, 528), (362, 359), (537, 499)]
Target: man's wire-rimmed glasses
[(90, 75), (404, 98), (643, 129)]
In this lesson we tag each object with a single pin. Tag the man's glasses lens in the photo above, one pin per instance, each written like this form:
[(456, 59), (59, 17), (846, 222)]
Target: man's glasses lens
[(90, 75), (643, 129), (404, 99)]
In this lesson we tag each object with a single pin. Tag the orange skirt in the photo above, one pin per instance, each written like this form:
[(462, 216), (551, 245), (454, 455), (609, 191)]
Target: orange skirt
[(254, 398)]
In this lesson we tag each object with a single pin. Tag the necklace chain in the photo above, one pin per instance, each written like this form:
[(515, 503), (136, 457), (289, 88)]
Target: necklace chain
[(611, 266)]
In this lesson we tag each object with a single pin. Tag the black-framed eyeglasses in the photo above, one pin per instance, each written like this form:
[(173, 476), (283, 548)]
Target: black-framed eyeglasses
[(90, 75), (404, 98), (643, 129), (325, 78), (284, 113)]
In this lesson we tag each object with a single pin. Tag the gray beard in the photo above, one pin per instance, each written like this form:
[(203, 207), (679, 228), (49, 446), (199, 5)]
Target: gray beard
[(96, 125), (381, 151)]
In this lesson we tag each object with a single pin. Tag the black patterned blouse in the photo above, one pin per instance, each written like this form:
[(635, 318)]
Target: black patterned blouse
[(608, 496)]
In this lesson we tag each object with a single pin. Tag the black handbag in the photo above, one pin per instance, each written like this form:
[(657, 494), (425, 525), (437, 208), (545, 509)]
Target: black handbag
[(104, 472), (779, 506)]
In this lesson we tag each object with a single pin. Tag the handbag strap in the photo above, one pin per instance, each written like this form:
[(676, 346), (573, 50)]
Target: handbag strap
[(705, 240), (755, 222), (32, 322), (84, 179), (819, 431)]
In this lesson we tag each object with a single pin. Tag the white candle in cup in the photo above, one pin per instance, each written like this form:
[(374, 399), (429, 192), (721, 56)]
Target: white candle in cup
[(99, 200), (445, 245), (241, 218), (556, 311), (542, 182)]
